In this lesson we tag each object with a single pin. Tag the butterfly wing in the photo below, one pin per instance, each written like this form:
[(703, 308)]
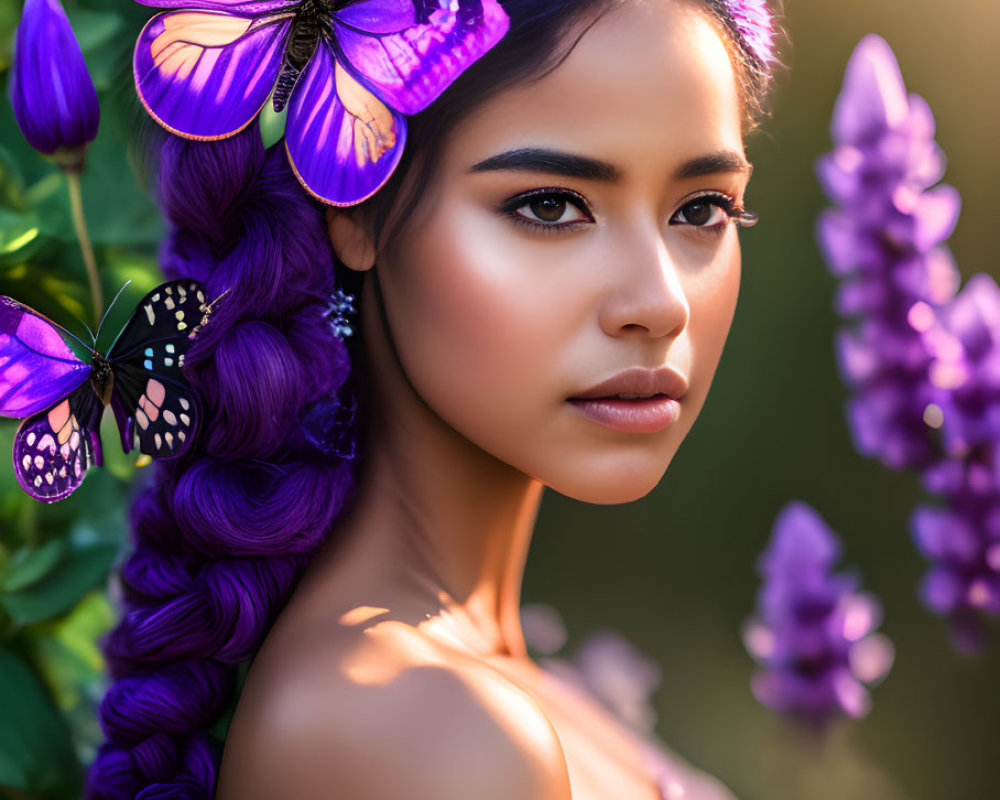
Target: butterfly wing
[(342, 141), (151, 397), (162, 412), (233, 6), (53, 449), (409, 51), (204, 74), (36, 366)]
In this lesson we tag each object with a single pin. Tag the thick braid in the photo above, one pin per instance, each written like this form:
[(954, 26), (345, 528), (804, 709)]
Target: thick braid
[(221, 534)]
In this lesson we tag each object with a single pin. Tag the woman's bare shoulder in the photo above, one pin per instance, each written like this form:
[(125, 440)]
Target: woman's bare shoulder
[(381, 713)]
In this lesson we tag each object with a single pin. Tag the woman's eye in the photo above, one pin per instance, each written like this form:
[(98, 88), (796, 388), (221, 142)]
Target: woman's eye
[(548, 210), (710, 211)]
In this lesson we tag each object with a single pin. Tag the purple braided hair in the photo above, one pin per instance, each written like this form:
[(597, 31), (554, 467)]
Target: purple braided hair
[(221, 534)]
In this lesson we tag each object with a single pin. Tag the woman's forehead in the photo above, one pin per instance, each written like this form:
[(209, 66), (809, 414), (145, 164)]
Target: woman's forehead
[(650, 83)]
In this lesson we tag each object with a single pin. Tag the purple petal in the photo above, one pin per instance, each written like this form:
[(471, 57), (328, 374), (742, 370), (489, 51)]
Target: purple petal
[(543, 628), (408, 66), (54, 100), (874, 97), (974, 315), (342, 141), (872, 658), (206, 74), (36, 366), (753, 20), (936, 214), (852, 696), (801, 538), (941, 590)]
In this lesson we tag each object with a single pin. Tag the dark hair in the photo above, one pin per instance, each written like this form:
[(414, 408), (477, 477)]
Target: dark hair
[(221, 534)]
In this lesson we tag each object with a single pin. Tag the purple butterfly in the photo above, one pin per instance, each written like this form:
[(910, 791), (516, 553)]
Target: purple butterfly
[(348, 70), (63, 398)]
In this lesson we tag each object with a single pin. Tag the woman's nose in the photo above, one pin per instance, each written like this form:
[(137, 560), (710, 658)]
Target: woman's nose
[(647, 298)]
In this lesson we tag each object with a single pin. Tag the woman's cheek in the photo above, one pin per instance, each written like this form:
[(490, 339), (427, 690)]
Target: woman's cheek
[(713, 304)]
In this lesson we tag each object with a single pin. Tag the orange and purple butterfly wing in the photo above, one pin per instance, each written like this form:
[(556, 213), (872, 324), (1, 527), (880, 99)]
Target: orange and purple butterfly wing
[(36, 366), (409, 51), (387, 58), (206, 73), (54, 449), (343, 142), (151, 398)]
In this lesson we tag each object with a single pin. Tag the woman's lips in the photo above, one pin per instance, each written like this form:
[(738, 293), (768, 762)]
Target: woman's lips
[(636, 400), (643, 415)]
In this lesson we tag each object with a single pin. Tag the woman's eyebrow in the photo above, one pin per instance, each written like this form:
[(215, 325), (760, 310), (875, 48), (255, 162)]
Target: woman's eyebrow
[(714, 164), (555, 162)]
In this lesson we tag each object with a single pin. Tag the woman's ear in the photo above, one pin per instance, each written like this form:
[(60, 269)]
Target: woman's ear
[(350, 237)]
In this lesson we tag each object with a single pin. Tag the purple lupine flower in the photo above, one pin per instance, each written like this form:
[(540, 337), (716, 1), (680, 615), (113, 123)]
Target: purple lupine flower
[(920, 358), (884, 241), (54, 99), (961, 536), (813, 635)]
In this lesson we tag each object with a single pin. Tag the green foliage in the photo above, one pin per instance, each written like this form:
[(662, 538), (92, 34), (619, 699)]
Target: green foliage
[(36, 754), (55, 558)]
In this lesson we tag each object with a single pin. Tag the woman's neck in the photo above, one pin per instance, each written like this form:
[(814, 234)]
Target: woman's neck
[(439, 530), (444, 528)]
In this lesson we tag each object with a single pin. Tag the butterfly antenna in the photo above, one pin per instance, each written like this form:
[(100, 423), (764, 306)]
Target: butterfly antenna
[(208, 308), (108, 310), (76, 338)]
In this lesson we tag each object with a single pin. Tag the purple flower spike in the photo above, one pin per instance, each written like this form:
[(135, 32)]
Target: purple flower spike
[(961, 539), (884, 240), (814, 633), (54, 100)]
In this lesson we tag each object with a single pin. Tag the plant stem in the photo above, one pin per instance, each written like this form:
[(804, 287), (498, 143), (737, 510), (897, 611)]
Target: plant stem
[(86, 248)]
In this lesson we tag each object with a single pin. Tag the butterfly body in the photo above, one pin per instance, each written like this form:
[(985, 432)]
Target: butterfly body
[(311, 20), (102, 379), (63, 398)]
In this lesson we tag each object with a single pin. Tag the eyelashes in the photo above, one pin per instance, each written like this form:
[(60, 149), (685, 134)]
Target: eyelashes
[(556, 210), (546, 210)]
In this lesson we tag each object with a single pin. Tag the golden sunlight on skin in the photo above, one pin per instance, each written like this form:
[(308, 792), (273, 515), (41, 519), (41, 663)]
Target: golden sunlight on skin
[(497, 326), (398, 668)]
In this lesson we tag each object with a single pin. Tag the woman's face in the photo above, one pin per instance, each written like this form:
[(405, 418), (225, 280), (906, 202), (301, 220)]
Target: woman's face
[(576, 232)]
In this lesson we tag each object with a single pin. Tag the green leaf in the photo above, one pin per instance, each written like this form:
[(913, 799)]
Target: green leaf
[(11, 182), (20, 237), (68, 653), (100, 36), (84, 564), (29, 565), (36, 754)]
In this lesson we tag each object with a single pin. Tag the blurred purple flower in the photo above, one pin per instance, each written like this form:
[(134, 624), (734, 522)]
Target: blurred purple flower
[(606, 665), (918, 357), (884, 241), (813, 635), (961, 537), (54, 100)]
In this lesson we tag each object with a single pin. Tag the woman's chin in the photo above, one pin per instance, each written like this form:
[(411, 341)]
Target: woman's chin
[(609, 487)]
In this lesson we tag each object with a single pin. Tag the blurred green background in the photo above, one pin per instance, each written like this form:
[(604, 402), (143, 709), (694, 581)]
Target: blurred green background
[(673, 572)]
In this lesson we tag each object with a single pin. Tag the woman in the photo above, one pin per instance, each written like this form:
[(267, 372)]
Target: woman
[(546, 285)]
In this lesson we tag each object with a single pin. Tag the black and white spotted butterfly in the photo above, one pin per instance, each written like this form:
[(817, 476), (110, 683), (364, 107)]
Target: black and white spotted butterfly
[(63, 398)]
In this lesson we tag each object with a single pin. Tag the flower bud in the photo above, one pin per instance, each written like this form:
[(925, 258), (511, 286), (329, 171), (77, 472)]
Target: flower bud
[(54, 99)]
